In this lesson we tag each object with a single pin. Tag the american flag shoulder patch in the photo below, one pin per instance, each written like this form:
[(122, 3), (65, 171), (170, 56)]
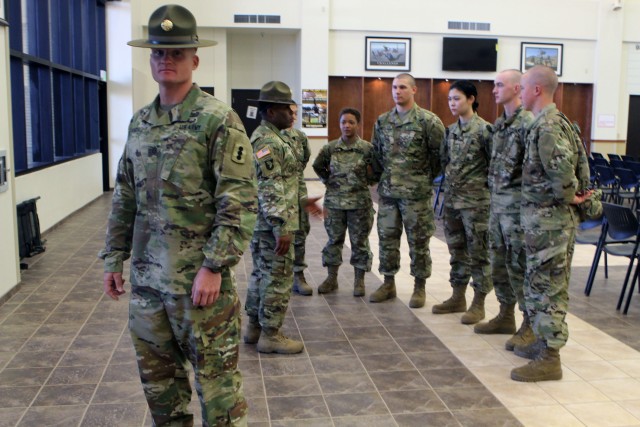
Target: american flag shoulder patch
[(264, 152)]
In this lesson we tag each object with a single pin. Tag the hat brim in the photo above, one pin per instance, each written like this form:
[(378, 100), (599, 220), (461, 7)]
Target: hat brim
[(266, 101), (150, 44)]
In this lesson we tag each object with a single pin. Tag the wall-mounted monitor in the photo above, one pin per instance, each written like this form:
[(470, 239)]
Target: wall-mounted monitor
[(469, 54)]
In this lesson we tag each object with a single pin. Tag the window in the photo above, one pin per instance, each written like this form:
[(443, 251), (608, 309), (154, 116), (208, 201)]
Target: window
[(57, 49)]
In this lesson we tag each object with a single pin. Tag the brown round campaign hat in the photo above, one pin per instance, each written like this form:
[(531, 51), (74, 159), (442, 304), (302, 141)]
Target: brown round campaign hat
[(275, 92), (172, 26)]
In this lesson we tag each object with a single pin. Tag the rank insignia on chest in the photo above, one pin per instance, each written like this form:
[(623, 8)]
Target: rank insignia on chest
[(262, 153), (239, 153)]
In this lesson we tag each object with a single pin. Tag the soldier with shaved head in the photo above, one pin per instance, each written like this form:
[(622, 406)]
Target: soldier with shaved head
[(553, 174)]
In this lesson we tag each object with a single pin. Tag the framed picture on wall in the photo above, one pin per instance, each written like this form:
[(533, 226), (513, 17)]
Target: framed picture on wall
[(387, 54), (549, 54)]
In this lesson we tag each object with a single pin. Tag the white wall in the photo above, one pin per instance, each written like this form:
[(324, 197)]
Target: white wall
[(9, 263), (63, 189)]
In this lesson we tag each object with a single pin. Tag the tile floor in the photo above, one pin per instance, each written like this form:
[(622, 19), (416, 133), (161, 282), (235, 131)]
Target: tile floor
[(66, 358)]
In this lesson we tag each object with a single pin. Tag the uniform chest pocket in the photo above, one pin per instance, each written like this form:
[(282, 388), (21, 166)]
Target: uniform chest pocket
[(185, 162)]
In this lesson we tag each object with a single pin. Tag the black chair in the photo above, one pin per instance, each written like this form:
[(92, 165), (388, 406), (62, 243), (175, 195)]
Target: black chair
[(627, 158), (593, 232), (597, 155), (617, 163), (600, 161), (613, 156), (634, 166), (607, 182), (623, 230), (627, 186), (438, 205)]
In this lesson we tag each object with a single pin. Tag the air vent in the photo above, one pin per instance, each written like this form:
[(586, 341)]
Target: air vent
[(256, 19), (471, 26)]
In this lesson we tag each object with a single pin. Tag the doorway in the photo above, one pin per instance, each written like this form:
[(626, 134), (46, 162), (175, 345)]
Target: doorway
[(633, 127), (245, 109)]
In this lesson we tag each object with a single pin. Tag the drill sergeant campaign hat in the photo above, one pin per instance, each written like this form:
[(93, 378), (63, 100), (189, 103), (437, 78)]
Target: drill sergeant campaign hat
[(172, 26), (275, 92)]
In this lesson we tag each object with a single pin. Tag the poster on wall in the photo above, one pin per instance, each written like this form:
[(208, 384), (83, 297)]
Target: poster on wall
[(314, 108)]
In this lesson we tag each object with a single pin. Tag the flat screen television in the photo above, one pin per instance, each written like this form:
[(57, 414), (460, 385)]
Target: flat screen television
[(469, 54)]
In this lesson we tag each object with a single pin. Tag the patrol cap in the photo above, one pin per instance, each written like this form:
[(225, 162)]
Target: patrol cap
[(172, 26), (275, 92)]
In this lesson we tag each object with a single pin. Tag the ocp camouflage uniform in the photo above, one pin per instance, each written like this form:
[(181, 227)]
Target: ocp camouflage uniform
[(184, 198), (549, 184), (465, 156), (506, 240), (303, 153), (345, 171), (279, 198), (406, 157)]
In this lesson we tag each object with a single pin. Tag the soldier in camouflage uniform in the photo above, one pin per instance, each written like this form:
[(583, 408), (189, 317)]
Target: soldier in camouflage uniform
[(405, 141), (279, 197), (506, 241), (303, 153), (183, 209), (465, 155), (550, 190), (344, 166)]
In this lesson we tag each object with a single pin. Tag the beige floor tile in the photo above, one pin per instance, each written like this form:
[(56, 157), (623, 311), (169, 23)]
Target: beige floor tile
[(619, 389), (514, 395), (494, 374), (475, 342), (595, 370), (546, 416), (603, 414), (630, 366), (569, 392), (633, 406), (481, 358), (577, 353)]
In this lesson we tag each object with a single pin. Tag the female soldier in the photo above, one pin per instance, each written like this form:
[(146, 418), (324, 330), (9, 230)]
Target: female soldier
[(465, 155), (343, 165)]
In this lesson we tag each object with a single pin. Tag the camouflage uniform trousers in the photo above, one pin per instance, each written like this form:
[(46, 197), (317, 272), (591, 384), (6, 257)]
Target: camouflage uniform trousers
[(546, 284), (466, 232), (417, 217), (167, 332), (270, 284), (299, 242), (508, 260), (359, 222)]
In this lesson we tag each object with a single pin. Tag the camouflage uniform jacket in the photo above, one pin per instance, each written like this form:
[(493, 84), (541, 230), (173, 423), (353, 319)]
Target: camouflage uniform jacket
[(406, 153), (344, 170), (549, 182), (184, 195), (464, 155), (279, 180), (505, 167), (302, 151)]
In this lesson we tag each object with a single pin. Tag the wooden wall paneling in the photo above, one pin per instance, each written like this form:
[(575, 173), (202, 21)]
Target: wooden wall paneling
[(343, 92), (377, 100), (559, 95), (440, 103), (423, 93), (488, 108), (577, 104)]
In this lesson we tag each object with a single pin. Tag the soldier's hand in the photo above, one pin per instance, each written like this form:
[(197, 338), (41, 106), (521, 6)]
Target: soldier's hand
[(206, 287), (282, 245), (581, 197), (113, 285), (313, 207)]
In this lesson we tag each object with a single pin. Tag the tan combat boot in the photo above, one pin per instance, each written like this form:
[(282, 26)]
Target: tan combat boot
[(546, 367), (476, 310), (531, 350), (456, 304), (503, 323), (252, 332), (523, 337), (358, 283), (278, 343), (331, 282), (386, 291), (300, 284), (418, 296)]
